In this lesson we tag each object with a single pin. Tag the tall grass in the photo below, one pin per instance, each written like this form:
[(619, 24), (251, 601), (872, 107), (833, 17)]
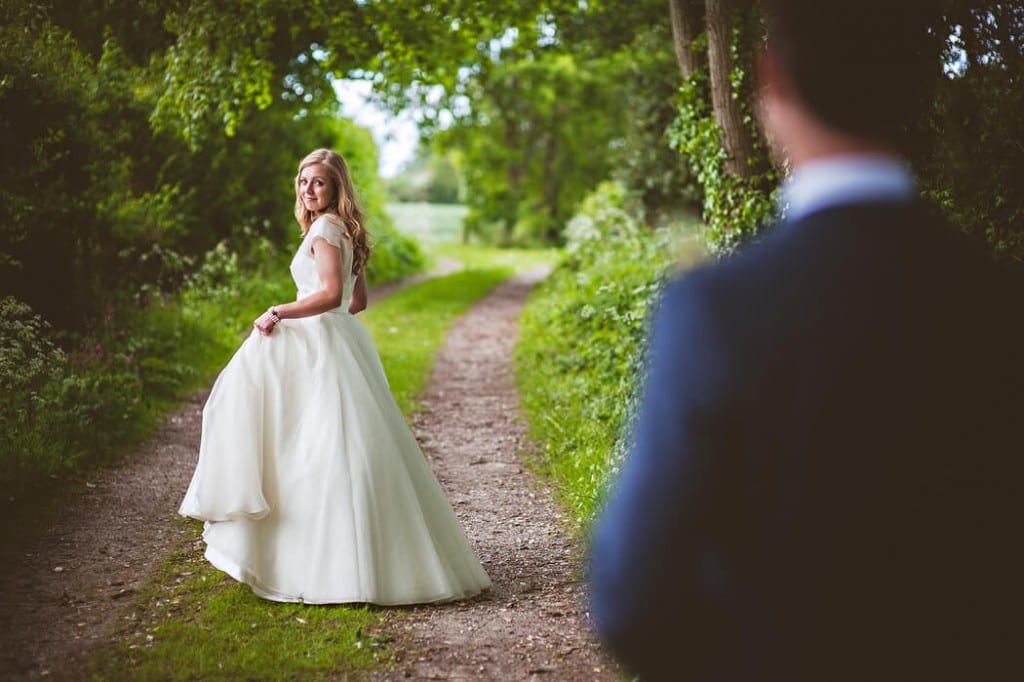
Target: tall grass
[(580, 351)]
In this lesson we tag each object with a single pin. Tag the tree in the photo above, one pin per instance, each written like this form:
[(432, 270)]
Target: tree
[(120, 169), (537, 141), (634, 43), (715, 42), (660, 183), (687, 25), (968, 149), (431, 176), (722, 19)]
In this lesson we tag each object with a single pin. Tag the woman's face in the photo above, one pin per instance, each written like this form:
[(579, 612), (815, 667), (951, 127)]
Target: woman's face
[(315, 188)]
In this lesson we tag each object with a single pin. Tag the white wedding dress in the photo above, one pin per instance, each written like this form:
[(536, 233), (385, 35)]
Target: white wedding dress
[(311, 483)]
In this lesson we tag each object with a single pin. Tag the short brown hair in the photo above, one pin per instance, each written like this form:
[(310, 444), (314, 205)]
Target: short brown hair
[(861, 67)]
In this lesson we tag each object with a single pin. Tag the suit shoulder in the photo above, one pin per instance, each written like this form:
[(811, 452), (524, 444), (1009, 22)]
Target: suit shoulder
[(691, 290)]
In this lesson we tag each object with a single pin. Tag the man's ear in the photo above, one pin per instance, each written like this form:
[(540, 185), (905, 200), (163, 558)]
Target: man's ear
[(768, 76), (776, 100)]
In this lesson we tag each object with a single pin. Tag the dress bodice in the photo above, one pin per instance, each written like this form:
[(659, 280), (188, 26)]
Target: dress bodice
[(303, 266)]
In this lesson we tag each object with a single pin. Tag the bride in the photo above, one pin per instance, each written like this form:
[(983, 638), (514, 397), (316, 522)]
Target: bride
[(311, 484)]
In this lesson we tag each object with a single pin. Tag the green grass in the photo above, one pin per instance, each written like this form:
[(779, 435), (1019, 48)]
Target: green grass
[(478, 256), (429, 223), (579, 356), (408, 327), (193, 622), (438, 228)]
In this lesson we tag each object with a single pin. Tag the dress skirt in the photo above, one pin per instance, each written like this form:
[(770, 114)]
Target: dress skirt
[(311, 483)]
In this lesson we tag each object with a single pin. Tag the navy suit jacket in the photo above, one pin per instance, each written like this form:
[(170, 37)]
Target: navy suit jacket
[(824, 481)]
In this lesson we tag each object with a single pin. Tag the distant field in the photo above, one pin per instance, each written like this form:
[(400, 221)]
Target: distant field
[(429, 223)]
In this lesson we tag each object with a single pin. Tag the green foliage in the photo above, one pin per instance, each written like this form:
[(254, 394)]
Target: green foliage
[(207, 80), (60, 411), (582, 341), (28, 356), (45, 131), (428, 223), (431, 177), (735, 208), (539, 139), (655, 173), (968, 152), (30, 363), (395, 256)]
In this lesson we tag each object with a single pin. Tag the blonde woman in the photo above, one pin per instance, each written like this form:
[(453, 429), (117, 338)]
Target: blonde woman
[(310, 482)]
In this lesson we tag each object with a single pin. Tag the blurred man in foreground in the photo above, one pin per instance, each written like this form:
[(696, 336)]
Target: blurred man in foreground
[(823, 483)]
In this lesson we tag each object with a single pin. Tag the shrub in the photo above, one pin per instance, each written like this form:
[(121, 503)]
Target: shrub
[(395, 256), (65, 410), (58, 407), (30, 362), (582, 341), (735, 209)]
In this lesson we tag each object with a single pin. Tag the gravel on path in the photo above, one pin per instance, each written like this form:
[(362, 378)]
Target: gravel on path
[(65, 572), (532, 624), (67, 563)]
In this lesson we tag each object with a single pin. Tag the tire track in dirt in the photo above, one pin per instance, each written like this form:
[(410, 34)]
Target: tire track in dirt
[(65, 571), (71, 556), (532, 624), (68, 562)]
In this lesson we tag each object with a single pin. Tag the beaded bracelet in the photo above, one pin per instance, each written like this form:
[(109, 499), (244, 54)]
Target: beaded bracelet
[(274, 316)]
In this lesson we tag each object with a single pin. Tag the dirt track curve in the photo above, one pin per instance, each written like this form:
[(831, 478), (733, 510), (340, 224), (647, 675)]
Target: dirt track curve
[(532, 623), (67, 568)]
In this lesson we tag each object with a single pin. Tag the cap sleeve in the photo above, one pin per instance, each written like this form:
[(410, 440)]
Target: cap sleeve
[(329, 229)]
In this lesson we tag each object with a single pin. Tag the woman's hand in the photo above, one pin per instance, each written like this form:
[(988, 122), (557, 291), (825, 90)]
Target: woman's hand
[(266, 322)]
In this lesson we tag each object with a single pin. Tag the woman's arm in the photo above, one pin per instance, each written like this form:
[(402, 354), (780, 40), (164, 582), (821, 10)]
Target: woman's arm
[(328, 269), (357, 303)]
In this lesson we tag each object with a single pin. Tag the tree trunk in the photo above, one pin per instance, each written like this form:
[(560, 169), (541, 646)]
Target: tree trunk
[(728, 114), (686, 26), (516, 168), (514, 178), (551, 184)]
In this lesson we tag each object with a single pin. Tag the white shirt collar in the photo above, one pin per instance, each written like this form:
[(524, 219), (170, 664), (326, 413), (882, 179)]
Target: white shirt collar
[(842, 180)]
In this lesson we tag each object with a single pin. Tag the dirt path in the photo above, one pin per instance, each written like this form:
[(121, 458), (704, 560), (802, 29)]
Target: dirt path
[(66, 563), (64, 571), (62, 582), (532, 622)]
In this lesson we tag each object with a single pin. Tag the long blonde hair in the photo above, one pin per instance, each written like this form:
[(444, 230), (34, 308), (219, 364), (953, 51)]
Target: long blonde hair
[(344, 204)]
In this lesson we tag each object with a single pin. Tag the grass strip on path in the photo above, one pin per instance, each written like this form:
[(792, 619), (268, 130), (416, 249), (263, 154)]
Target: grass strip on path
[(193, 622)]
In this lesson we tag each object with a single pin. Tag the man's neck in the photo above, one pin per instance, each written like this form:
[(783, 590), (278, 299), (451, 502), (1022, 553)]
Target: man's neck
[(843, 151), (818, 143)]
